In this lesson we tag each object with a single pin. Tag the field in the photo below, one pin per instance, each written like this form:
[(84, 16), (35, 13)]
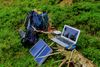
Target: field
[(82, 14)]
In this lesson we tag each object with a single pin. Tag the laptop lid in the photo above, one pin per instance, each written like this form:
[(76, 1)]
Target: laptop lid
[(70, 33)]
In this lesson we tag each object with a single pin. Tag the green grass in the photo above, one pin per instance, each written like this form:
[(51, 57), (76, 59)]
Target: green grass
[(82, 15)]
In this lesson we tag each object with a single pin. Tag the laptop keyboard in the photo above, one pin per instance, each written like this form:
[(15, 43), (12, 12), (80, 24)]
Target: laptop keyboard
[(64, 40)]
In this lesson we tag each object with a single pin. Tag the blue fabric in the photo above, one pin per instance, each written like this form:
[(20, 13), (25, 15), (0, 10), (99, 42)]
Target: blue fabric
[(35, 19), (39, 21)]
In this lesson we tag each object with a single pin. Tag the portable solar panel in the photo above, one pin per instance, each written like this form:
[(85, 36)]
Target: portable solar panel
[(40, 51)]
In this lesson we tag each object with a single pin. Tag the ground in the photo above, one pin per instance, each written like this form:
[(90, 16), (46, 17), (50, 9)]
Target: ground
[(84, 15)]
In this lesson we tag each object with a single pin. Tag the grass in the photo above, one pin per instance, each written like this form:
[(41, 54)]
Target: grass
[(82, 15)]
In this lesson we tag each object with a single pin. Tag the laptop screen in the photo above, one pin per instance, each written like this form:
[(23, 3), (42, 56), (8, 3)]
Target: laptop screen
[(70, 33)]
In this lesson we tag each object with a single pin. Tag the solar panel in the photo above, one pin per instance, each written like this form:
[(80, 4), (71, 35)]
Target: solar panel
[(40, 49), (37, 48), (44, 52)]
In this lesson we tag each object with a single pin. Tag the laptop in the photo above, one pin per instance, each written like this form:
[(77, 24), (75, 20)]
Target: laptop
[(68, 37)]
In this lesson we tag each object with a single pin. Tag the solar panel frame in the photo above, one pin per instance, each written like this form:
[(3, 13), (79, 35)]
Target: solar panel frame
[(38, 49), (41, 50)]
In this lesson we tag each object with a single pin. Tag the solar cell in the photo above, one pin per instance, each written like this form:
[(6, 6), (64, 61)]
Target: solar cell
[(37, 48), (46, 51)]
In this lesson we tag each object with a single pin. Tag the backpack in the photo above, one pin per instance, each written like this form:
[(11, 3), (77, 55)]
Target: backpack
[(30, 38), (39, 21)]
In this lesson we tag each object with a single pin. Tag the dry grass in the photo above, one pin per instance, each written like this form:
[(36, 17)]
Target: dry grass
[(66, 2)]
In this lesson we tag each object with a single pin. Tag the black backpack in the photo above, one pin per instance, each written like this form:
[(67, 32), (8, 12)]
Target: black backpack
[(39, 21)]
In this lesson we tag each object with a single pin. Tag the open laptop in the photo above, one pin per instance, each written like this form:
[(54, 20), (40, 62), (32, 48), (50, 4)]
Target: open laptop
[(69, 36)]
